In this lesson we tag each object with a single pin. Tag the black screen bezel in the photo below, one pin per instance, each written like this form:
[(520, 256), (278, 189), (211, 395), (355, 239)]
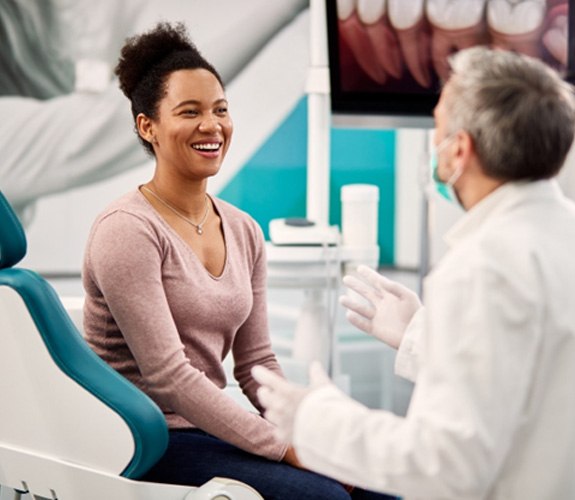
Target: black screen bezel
[(398, 104)]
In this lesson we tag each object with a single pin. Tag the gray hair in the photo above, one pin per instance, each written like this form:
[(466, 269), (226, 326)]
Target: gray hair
[(519, 112)]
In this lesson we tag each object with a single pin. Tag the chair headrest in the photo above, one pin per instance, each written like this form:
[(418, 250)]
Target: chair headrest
[(12, 236)]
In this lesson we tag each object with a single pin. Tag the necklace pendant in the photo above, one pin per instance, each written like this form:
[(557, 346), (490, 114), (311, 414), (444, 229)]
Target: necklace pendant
[(198, 227)]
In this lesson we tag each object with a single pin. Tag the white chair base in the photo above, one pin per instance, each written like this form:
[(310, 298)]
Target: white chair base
[(52, 479)]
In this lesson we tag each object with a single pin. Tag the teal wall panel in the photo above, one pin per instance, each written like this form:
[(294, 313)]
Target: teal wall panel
[(272, 183), (361, 156)]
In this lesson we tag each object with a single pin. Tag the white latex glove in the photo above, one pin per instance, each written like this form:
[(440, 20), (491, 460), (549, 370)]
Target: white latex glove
[(281, 398), (387, 309)]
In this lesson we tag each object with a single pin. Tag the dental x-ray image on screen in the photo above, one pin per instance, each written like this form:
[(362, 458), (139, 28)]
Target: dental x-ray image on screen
[(390, 56)]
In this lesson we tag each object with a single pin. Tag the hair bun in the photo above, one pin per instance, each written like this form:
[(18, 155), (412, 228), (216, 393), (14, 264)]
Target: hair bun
[(142, 52)]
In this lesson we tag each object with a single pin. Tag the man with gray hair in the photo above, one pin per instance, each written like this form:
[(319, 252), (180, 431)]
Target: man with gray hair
[(492, 353)]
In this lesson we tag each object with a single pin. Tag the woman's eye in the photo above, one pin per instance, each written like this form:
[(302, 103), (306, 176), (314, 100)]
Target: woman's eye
[(222, 111), (190, 112)]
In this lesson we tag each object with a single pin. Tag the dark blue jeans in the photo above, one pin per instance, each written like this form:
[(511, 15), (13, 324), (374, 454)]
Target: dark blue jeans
[(194, 457)]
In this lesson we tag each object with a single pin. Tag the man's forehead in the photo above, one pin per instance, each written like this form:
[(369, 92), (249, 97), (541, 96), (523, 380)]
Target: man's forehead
[(440, 103)]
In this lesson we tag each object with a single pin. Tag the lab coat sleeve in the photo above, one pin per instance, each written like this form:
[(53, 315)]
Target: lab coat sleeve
[(409, 354), (337, 436), (480, 353)]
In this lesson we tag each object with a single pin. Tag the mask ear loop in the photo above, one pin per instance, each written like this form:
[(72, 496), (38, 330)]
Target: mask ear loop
[(445, 189), (454, 176), (434, 157)]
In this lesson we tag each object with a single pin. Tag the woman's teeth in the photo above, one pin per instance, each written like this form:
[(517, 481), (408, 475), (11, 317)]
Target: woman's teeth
[(207, 147)]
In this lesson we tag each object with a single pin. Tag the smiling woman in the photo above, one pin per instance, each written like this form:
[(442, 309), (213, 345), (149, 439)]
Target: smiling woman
[(175, 280)]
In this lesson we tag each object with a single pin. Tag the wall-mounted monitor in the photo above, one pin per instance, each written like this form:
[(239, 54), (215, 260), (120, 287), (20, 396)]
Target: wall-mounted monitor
[(387, 58)]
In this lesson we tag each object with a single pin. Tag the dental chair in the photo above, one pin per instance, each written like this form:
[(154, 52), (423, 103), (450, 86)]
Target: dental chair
[(71, 428)]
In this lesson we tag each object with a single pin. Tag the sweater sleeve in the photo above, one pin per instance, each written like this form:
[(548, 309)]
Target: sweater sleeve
[(252, 344), (125, 260)]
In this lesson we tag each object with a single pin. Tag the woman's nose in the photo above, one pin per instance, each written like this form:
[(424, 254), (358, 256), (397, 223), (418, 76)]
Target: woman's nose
[(210, 123)]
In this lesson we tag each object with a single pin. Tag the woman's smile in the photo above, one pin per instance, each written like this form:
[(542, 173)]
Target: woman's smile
[(208, 149)]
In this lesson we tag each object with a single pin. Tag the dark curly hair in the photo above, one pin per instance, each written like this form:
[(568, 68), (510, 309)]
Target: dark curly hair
[(147, 60)]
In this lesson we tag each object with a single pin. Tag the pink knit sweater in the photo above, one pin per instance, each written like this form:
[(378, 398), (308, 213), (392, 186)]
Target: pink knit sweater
[(158, 317)]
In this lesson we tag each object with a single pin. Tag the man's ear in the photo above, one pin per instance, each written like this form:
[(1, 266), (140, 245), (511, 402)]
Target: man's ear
[(465, 147), (145, 128)]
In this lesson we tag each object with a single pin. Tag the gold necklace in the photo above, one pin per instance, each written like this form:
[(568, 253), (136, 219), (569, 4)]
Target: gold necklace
[(198, 226)]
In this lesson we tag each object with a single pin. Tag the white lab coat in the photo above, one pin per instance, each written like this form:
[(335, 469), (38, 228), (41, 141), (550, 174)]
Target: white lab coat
[(493, 411)]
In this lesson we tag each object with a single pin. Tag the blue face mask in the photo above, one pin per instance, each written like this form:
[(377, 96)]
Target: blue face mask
[(445, 189)]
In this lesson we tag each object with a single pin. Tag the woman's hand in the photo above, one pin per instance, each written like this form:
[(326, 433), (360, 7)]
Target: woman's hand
[(290, 458)]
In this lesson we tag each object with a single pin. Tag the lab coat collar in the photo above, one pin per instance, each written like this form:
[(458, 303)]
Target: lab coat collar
[(500, 200)]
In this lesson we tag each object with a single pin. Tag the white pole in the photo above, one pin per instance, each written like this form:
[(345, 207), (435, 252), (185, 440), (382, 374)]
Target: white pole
[(319, 118)]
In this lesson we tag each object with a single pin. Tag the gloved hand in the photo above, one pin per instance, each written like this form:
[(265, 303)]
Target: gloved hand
[(281, 398), (389, 308)]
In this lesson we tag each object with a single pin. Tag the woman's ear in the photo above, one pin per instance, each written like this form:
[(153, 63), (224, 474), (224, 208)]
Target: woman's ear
[(145, 128)]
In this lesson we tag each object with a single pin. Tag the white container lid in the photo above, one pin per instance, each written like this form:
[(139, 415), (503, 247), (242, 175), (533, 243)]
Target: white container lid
[(359, 192)]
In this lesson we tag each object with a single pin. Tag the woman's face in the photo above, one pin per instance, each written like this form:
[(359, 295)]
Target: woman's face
[(193, 130)]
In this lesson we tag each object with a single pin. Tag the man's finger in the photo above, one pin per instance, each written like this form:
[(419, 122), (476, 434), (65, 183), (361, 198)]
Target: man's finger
[(361, 287), (360, 322), (270, 379), (379, 281), (362, 308), (266, 396)]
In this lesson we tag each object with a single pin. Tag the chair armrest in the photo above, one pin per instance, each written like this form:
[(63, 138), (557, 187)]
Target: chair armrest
[(223, 488)]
